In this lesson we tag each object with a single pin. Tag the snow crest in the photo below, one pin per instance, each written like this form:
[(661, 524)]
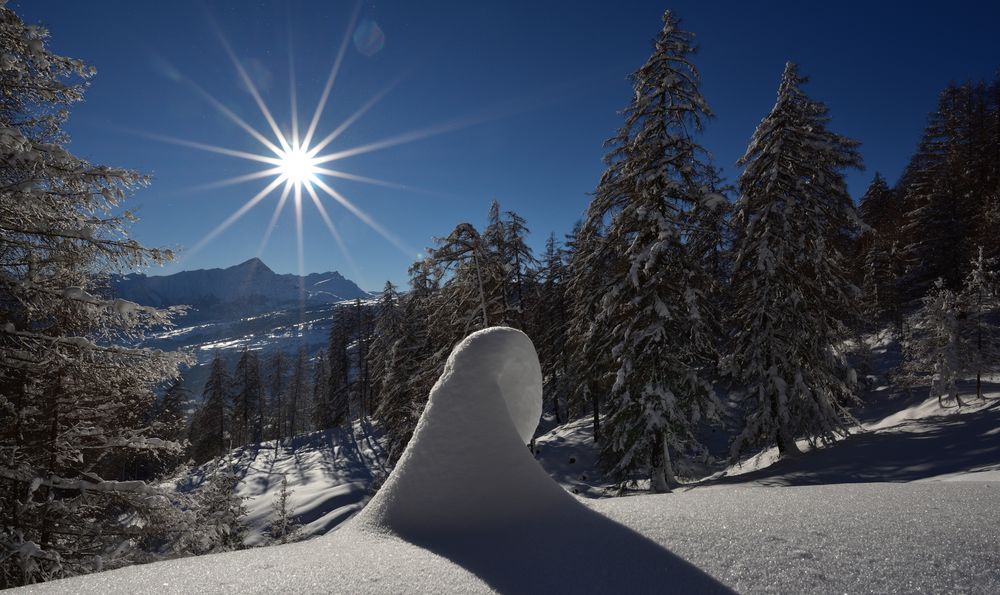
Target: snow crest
[(468, 489), (468, 454)]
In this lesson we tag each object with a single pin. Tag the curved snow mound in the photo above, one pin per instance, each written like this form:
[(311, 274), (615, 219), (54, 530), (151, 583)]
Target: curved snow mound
[(467, 465)]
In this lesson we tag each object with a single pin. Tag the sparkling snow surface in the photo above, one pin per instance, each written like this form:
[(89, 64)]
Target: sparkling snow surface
[(468, 509)]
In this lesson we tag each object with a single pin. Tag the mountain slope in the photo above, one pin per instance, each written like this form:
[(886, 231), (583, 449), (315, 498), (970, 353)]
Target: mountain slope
[(247, 288)]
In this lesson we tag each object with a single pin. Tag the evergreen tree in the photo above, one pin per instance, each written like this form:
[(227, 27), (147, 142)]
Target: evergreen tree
[(339, 385), (980, 334), (210, 435), (790, 285), (517, 263), (247, 394), (414, 359), (386, 333), (72, 396), (475, 301), (879, 254), (221, 514), (362, 384), (932, 345), (284, 528), (951, 189), (657, 181), (276, 377), (168, 421), (298, 389), (592, 367), (320, 412), (493, 252), (552, 337)]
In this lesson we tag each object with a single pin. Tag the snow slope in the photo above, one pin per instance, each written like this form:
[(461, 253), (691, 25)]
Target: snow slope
[(468, 509), (903, 439), (330, 476)]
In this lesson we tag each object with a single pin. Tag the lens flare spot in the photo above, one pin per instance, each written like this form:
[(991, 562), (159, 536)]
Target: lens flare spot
[(369, 38)]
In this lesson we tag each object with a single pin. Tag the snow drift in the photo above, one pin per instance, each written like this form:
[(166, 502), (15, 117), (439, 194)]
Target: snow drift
[(468, 489), (468, 493)]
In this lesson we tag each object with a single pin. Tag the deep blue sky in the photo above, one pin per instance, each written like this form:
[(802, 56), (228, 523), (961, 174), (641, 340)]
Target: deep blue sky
[(543, 81)]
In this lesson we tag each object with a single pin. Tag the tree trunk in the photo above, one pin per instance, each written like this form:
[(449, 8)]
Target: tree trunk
[(596, 403), (786, 442), (482, 291), (658, 466)]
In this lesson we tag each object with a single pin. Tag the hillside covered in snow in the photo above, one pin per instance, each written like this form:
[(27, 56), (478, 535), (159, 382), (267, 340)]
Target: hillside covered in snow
[(472, 511)]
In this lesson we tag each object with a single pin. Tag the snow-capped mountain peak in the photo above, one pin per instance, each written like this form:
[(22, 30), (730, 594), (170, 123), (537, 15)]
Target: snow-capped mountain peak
[(246, 288)]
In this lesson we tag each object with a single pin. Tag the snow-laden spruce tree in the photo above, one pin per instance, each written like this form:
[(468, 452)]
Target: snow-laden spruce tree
[(657, 181), (980, 330), (790, 289), (284, 528), (932, 345), (73, 398), (221, 513), (211, 426)]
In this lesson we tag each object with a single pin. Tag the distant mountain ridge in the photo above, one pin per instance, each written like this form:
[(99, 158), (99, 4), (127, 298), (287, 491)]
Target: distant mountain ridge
[(246, 288)]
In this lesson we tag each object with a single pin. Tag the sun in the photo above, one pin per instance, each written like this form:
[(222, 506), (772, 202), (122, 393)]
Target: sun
[(297, 161), (298, 167)]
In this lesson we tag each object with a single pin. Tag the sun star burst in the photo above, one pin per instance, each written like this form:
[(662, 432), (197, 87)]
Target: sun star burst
[(293, 161), (297, 167)]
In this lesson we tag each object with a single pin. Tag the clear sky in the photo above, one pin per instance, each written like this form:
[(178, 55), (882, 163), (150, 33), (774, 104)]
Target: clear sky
[(527, 91)]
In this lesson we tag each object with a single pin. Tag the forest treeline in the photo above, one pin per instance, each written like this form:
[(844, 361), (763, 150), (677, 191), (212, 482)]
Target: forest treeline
[(679, 301)]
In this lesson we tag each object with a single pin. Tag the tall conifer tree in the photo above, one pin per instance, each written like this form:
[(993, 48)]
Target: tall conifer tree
[(790, 287), (657, 182), (73, 398)]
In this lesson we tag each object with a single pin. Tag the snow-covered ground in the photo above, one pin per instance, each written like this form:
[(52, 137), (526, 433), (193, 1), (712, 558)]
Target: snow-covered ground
[(910, 504), (330, 476)]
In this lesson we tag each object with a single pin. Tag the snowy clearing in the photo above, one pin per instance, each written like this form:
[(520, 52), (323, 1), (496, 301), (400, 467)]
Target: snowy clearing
[(480, 515), (916, 537)]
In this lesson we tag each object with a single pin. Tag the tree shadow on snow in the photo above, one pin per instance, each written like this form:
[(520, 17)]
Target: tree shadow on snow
[(574, 549), (914, 449)]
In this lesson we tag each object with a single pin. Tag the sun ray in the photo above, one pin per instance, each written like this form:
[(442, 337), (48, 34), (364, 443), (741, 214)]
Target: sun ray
[(333, 231), (274, 218), (402, 139), (292, 92), (264, 173), (364, 217), (366, 180), (251, 87), (212, 148), (298, 228), (232, 116), (325, 95), (300, 238), (236, 215), (313, 150)]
